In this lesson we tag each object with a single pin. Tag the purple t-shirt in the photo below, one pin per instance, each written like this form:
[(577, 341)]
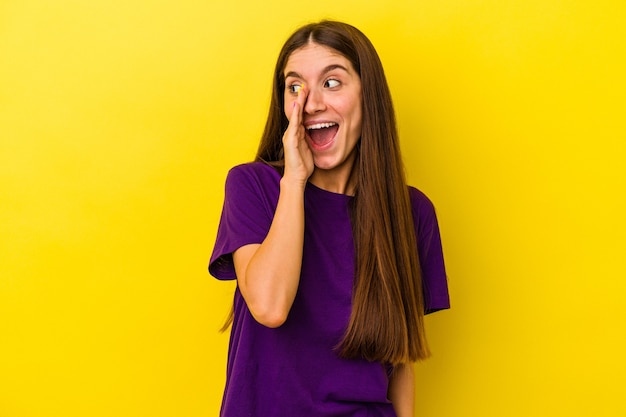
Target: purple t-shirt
[(294, 370)]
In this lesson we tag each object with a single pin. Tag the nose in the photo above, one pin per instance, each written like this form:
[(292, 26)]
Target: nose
[(314, 102)]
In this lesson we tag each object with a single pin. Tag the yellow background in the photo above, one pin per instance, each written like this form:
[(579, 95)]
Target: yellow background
[(120, 118)]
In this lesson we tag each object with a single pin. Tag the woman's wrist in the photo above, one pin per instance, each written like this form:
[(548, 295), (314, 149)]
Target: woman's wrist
[(292, 185)]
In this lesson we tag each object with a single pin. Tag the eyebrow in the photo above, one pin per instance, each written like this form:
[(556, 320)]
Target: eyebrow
[(324, 71)]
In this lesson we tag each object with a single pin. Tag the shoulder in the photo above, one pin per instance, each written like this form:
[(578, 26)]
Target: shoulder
[(253, 175), (424, 214), (254, 170), (253, 182), (420, 201)]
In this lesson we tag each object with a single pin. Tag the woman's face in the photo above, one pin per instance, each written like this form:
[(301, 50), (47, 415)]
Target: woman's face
[(332, 111)]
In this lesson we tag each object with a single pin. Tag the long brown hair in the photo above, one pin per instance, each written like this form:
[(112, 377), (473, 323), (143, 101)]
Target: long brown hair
[(387, 320)]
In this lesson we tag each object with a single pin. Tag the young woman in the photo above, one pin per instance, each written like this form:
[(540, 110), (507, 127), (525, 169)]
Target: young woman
[(336, 259)]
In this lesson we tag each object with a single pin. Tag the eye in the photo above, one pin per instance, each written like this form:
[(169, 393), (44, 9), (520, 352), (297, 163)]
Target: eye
[(331, 83), (294, 88)]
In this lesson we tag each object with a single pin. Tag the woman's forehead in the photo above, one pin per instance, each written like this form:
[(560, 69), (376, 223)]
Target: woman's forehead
[(312, 57)]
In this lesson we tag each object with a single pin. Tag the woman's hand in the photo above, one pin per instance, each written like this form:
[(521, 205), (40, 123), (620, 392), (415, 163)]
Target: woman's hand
[(298, 157)]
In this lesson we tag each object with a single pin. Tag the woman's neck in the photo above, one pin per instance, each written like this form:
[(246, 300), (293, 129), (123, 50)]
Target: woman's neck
[(338, 180)]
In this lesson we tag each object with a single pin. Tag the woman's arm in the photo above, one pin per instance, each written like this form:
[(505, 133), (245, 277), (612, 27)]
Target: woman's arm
[(268, 274), (402, 390)]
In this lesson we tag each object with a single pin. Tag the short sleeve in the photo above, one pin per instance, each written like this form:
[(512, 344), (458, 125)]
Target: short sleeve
[(434, 278), (250, 198)]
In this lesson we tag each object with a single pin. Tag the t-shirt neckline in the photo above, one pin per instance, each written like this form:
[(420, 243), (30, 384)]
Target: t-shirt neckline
[(326, 193)]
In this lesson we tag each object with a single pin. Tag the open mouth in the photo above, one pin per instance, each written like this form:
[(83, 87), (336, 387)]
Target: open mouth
[(322, 134)]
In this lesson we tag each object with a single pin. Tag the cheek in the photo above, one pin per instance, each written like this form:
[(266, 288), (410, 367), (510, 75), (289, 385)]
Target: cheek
[(352, 110), (356, 122)]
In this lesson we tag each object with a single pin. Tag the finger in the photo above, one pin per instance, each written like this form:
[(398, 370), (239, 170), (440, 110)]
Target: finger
[(298, 106)]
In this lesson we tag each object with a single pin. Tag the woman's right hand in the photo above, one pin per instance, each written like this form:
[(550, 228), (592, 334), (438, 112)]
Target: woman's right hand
[(298, 157)]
